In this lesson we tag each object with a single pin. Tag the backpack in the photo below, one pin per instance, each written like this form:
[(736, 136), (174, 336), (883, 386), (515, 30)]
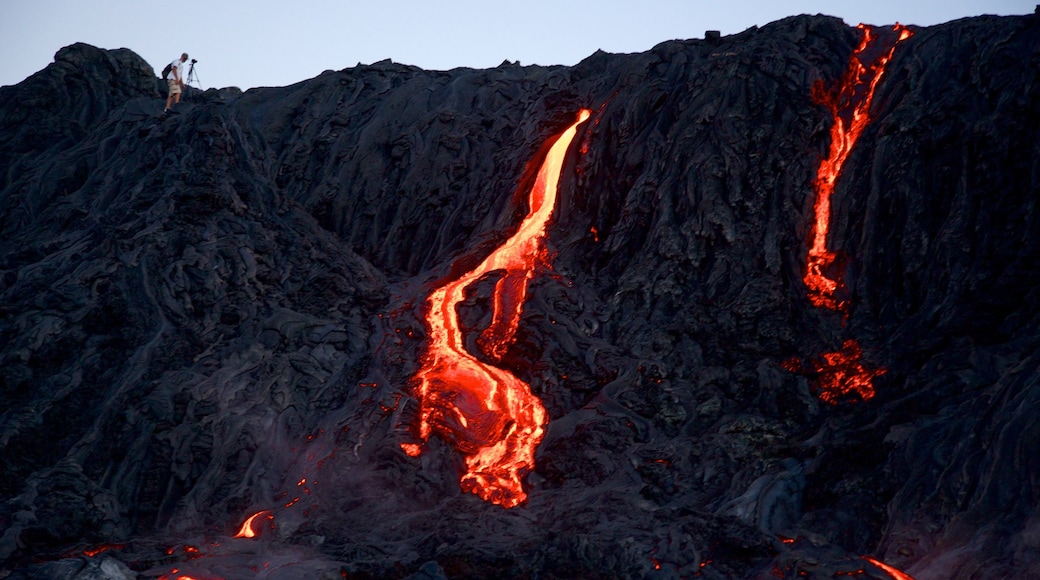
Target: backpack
[(166, 71)]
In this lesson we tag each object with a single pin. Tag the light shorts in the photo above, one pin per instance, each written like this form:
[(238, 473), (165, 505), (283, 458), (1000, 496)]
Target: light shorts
[(175, 87)]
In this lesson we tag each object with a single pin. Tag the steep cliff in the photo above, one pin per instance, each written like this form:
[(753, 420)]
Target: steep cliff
[(221, 312)]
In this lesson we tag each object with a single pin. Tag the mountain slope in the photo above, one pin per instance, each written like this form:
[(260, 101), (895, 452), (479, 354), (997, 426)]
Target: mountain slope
[(207, 315)]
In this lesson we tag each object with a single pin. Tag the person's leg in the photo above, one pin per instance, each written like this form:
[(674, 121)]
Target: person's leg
[(175, 93), (172, 91)]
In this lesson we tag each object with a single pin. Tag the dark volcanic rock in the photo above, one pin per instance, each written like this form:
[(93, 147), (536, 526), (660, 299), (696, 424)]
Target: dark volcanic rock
[(208, 315)]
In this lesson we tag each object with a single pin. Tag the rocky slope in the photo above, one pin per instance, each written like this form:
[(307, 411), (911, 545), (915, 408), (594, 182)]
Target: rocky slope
[(210, 314)]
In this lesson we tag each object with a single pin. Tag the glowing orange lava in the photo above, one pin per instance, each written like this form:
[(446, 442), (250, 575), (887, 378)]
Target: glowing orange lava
[(486, 412), (102, 548), (893, 572), (841, 373), (850, 107), (247, 527)]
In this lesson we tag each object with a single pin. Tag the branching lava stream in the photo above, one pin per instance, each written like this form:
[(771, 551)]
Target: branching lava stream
[(486, 412), (841, 372), (849, 106)]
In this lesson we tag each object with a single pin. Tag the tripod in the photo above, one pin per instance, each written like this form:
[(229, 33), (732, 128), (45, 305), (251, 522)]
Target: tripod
[(192, 75)]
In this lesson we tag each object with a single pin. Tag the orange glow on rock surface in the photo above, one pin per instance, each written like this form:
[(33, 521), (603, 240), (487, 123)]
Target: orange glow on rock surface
[(893, 572), (850, 107), (841, 374), (91, 552), (486, 412), (247, 527), (412, 449)]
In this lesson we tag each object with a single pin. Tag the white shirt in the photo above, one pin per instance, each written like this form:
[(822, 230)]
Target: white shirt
[(177, 71)]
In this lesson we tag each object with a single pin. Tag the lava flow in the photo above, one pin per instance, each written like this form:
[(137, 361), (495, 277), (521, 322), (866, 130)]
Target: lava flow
[(486, 412), (893, 572), (246, 531), (841, 372), (850, 106)]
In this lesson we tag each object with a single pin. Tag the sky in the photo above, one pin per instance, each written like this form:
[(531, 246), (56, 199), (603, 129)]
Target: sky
[(278, 43)]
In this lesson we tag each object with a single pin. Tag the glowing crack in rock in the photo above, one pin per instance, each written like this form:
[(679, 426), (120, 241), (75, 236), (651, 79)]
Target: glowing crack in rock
[(486, 412), (841, 373)]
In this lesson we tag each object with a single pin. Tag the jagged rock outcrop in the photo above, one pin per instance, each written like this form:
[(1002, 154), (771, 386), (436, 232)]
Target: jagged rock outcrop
[(210, 314)]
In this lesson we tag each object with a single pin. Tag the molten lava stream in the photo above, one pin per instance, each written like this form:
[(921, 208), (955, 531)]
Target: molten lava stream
[(853, 100), (841, 372), (246, 531), (893, 572), (486, 412)]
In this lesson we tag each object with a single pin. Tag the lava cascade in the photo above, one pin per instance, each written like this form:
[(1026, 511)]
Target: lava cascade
[(486, 412), (841, 372), (850, 106)]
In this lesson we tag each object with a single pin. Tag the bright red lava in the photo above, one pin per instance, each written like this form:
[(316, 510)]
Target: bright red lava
[(850, 108), (893, 572), (91, 552), (247, 527), (486, 412), (841, 373)]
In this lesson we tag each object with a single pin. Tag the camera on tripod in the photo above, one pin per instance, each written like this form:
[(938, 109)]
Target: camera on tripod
[(192, 75)]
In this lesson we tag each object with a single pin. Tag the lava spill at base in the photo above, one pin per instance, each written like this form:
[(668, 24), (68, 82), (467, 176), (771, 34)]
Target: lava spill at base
[(841, 374)]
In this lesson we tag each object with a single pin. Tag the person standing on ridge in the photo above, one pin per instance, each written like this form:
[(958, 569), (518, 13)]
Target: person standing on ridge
[(174, 75)]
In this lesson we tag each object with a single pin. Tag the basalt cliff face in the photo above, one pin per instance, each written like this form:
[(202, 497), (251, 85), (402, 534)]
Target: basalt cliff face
[(221, 313)]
